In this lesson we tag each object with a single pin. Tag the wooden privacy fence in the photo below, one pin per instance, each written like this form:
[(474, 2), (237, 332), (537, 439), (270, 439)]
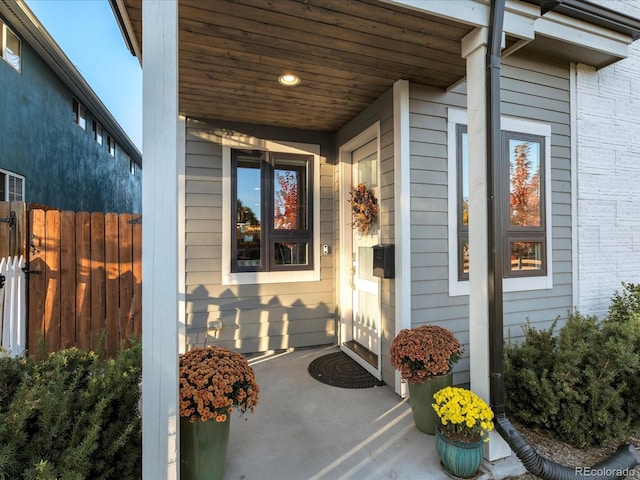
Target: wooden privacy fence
[(84, 279)]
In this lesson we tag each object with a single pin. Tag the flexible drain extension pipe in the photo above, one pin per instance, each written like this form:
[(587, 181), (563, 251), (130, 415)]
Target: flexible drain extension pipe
[(617, 466), (626, 457)]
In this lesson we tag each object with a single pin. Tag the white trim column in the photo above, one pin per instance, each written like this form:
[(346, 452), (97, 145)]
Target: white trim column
[(474, 50), (402, 213), (160, 241)]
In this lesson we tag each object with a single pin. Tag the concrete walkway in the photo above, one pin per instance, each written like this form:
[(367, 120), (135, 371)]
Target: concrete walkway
[(305, 430)]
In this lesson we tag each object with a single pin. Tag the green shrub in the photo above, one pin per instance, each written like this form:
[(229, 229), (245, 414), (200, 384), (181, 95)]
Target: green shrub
[(72, 415), (581, 384)]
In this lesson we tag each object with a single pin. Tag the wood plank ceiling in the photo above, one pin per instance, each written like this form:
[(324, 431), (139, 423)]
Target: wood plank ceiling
[(346, 52)]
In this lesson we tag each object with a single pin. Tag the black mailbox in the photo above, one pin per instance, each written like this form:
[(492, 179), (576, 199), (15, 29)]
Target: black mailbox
[(383, 261)]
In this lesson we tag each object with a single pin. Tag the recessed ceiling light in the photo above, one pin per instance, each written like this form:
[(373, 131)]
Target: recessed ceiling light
[(289, 80)]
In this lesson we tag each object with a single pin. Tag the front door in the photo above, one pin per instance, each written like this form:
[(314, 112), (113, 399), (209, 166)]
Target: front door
[(363, 339)]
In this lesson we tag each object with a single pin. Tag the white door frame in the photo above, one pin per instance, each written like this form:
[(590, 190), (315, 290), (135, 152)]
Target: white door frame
[(346, 246)]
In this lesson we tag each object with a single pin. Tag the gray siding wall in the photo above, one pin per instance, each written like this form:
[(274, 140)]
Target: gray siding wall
[(379, 111), (252, 318), (533, 90)]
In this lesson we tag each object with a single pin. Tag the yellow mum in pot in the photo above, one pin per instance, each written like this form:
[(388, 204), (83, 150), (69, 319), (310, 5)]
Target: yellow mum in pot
[(464, 416)]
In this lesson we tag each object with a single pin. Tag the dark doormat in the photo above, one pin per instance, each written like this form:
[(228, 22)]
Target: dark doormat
[(340, 370)]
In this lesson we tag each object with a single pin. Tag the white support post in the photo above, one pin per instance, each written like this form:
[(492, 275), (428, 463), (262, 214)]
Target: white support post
[(160, 424), (402, 212), (474, 50)]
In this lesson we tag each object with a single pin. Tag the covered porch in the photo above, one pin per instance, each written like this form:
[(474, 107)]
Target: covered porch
[(219, 63)]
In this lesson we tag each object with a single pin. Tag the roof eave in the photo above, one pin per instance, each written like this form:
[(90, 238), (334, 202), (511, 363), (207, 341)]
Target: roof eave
[(126, 29)]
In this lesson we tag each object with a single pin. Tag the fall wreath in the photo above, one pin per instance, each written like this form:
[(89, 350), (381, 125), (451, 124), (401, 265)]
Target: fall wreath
[(364, 208)]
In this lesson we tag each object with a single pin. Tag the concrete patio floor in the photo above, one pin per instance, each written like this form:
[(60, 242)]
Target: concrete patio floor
[(305, 430)]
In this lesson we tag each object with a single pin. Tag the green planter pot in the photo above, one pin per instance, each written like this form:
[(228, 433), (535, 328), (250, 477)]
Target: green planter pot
[(203, 449), (459, 460), (421, 399)]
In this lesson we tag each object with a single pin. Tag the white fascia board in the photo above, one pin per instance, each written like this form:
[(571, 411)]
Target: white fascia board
[(128, 27), (577, 32), (523, 21), (518, 18), (469, 12)]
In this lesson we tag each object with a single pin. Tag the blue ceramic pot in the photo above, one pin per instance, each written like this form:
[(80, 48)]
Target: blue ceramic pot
[(458, 459)]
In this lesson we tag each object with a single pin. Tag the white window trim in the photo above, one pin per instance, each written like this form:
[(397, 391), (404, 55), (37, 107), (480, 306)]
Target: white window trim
[(229, 141), (8, 174), (511, 124)]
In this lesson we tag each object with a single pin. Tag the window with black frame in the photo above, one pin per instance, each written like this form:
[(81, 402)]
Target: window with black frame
[(523, 200), (271, 211)]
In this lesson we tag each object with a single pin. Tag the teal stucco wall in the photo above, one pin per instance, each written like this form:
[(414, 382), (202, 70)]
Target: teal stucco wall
[(64, 167)]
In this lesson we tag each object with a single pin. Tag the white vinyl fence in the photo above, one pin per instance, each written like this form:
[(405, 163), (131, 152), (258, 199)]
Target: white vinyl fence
[(13, 312)]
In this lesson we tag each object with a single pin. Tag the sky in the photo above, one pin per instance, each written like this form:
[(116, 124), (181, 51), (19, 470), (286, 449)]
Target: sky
[(89, 35)]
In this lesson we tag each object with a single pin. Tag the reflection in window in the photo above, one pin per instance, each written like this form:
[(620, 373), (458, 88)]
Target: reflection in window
[(271, 194), (97, 132), (111, 145), (524, 168), (524, 218), (289, 199), (526, 256), (464, 178), (11, 47), (290, 253), (248, 229), (79, 114)]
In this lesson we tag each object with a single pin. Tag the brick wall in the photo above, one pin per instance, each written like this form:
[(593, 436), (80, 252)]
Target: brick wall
[(608, 153)]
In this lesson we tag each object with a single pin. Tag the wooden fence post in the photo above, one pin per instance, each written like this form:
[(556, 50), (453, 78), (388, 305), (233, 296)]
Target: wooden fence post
[(67, 279), (36, 283), (19, 243), (83, 280), (5, 230), (52, 281), (12, 229)]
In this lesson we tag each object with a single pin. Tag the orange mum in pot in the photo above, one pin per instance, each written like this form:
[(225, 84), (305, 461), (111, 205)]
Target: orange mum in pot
[(214, 381)]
